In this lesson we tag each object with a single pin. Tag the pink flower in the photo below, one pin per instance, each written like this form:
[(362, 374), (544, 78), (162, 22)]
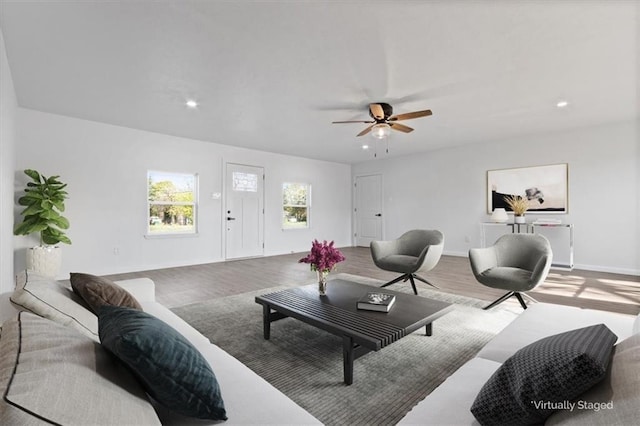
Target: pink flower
[(323, 256)]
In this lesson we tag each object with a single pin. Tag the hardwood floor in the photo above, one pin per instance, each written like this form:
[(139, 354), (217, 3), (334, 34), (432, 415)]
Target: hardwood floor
[(192, 284)]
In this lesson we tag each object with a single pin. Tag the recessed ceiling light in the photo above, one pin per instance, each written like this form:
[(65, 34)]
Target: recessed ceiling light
[(365, 146), (191, 104), (562, 104)]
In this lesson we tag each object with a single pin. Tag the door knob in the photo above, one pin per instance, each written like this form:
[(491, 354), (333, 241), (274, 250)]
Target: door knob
[(378, 214), (231, 218)]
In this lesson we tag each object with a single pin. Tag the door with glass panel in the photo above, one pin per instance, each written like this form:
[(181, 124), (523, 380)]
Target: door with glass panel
[(244, 211)]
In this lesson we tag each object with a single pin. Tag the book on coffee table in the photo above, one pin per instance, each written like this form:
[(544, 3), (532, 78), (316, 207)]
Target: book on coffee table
[(381, 302)]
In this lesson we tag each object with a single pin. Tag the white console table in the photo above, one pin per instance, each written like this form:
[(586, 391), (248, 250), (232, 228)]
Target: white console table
[(560, 235), (515, 228)]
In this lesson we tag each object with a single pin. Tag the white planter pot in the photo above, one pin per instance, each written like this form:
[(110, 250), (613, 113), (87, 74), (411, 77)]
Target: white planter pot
[(519, 219), (44, 260)]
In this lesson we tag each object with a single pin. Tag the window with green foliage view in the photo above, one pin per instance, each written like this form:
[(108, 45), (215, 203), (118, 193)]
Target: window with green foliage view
[(296, 203), (172, 203)]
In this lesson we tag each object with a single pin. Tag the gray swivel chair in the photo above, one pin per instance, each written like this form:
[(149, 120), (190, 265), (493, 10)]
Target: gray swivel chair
[(516, 262), (418, 250)]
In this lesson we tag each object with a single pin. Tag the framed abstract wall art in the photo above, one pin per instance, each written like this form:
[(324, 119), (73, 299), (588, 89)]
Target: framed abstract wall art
[(546, 188)]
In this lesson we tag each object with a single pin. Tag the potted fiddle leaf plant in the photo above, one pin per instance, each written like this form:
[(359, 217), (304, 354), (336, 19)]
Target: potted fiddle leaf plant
[(43, 203)]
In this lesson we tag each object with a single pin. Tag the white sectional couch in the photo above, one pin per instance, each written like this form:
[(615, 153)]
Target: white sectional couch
[(248, 398), (450, 403)]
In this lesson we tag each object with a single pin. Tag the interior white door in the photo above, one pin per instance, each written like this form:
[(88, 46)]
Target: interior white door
[(244, 211), (368, 198)]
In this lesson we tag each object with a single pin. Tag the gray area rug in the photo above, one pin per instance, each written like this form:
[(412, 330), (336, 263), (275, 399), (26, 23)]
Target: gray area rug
[(305, 363)]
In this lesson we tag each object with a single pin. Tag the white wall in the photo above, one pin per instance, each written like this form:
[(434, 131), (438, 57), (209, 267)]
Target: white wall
[(8, 108), (446, 190), (106, 166)]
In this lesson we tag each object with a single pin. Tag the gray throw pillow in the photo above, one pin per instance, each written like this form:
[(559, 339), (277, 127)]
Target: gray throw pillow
[(170, 368), (50, 299), (541, 377), (613, 401), (98, 291), (52, 374)]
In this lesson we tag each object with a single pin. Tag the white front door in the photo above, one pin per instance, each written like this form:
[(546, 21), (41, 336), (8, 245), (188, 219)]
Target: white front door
[(368, 202), (244, 211)]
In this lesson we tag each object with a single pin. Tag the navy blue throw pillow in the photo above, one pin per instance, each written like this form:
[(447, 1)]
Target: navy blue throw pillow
[(541, 377), (172, 371)]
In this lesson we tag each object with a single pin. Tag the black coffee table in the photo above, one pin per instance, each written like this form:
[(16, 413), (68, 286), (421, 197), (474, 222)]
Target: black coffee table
[(361, 331)]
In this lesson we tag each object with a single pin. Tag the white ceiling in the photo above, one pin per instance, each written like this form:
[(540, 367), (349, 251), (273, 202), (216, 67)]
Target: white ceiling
[(273, 75)]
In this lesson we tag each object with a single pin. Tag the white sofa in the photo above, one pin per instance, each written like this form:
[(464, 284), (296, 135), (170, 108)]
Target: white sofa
[(450, 403), (248, 398), (251, 400)]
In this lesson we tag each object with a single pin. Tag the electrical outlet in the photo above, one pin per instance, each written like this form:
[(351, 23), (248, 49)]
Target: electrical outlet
[(116, 251), (467, 239)]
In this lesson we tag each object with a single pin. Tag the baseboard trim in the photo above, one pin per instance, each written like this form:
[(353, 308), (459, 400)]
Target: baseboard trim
[(612, 270)]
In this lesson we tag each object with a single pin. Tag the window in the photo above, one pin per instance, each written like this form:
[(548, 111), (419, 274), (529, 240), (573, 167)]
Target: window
[(247, 182), (172, 203), (295, 205)]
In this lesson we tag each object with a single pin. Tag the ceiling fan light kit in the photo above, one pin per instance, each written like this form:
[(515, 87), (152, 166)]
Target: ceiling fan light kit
[(380, 130)]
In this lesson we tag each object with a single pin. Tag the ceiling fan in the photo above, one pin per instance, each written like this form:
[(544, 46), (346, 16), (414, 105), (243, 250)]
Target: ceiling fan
[(384, 120)]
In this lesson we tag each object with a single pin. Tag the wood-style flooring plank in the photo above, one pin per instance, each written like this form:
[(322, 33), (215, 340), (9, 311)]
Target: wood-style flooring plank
[(191, 284)]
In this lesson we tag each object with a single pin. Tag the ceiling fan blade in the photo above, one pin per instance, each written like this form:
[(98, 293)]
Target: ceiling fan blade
[(401, 127), (377, 111), (410, 115), (365, 131), (358, 121)]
